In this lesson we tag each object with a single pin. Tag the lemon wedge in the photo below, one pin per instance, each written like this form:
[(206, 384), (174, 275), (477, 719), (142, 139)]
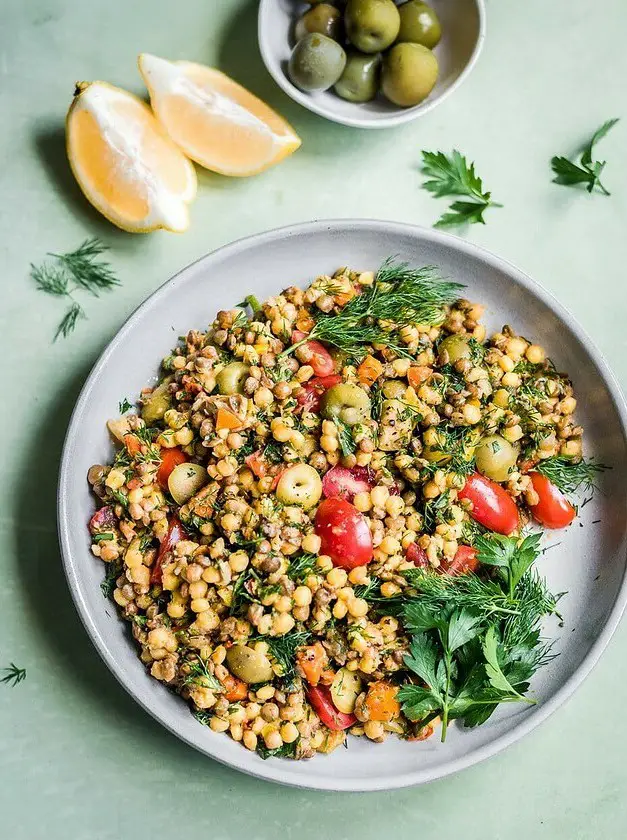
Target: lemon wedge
[(124, 161), (215, 121)]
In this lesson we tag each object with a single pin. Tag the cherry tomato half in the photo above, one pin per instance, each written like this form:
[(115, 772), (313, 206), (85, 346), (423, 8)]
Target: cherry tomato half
[(170, 458), (320, 698), (175, 532), (344, 533), (309, 396), (553, 510), (492, 507), (345, 482), (417, 556), (320, 359), (464, 562)]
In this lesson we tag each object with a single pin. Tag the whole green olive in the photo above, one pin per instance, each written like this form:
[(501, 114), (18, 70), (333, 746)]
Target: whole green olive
[(345, 402), (323, 19), (231, 378), (249, 665), (157, 403), (496, 457), (410, 72), (454, 347), (371, 25), (360, 80), (316, 63), (419, 24)]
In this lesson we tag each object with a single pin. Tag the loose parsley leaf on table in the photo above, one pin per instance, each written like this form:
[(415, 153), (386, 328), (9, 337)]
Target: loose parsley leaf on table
[(454, 176), (587, 171)]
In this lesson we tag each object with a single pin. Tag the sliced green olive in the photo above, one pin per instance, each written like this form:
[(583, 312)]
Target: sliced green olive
[(157, 403), (454, 347), (395, 425), (345, 402), (345, 689), (299, 485), (249, 665), (231, 378), (394, 389), (185, 481), (496, 457)]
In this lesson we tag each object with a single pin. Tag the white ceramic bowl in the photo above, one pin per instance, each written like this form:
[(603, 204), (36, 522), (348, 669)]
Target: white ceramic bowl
[(589, 561), (463, 33)]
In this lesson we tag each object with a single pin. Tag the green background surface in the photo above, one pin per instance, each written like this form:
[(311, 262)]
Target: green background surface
[(78, 758)]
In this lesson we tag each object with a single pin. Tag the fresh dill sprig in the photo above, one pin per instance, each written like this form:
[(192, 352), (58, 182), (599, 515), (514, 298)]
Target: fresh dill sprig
[(14, 675), (283, 650), (76, 270), (300, 568), (587, 171), (199, 674), (368, 591), (400, 295), (569, 475), (454, 176)]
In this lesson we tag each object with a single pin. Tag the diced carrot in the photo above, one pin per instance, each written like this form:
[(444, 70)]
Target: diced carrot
[(234, 689), (170, 458), (381, 701), (342, 298), (417, 374), (369, 370), (311, 662), (133, 445), (256, 464), (304, 322), (225, 419)]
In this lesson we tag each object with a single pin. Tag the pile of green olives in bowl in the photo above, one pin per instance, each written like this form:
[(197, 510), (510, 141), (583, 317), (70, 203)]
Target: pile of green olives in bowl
[(363, 48)]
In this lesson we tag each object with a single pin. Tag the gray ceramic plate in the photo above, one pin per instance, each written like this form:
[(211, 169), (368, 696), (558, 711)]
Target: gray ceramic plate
[(589, 561)]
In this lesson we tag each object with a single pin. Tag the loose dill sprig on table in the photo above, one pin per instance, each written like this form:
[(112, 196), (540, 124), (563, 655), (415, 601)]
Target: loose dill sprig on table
[(399, 296), (570, 475), (71, 272), (454, 176), (14, 675)]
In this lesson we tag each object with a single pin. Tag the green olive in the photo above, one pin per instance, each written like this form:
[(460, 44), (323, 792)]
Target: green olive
[(496, 457), (395, 425), (231, 378), (345, 402), (249, 665), (409, 73), (371, 25), (323, 19), (316, 63), (360, 80), (454, 347), (394, 389), (419, 24), (157, 403), (299, 484), (185, 481)]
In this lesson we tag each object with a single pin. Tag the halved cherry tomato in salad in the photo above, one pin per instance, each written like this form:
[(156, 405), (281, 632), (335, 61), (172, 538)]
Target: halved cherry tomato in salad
[(345, 482), (320, 699), (170, 458), (464, 562), (344, 533), (175, 532), (256, 464), (133, 445), (309, 395), (321, 360), (553, 509), (492, 506), (417, 556)]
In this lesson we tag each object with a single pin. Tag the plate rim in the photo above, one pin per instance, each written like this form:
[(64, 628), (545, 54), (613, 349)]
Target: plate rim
[(274, 771)]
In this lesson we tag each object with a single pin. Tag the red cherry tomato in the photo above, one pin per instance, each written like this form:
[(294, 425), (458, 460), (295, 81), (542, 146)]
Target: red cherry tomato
[(170, 458), (321, 360), (345, 482), (553, 510), (175, 533), (309, 396), (464, 562), (320, 698), (492, 507), (344, 533), (417, 556)]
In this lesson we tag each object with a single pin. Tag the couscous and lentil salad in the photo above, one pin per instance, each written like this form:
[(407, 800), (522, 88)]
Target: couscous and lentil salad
[(316, 521)]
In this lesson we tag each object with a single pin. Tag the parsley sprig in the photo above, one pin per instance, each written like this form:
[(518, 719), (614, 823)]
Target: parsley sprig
[(78, 270), (587, 171), (454, 176)]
